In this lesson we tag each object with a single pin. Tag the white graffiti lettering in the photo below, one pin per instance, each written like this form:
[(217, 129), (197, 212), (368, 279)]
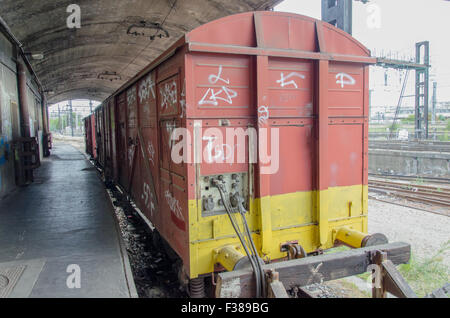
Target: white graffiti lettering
[(264, 111), (344, 79), (282, 80), (222, 151), (131, 96), (174, 205), (151, 152), (212, 96), (130, 156), (147, 196), (213, 79), (170, 127), (183, 101), (146, 87), (168, 95)]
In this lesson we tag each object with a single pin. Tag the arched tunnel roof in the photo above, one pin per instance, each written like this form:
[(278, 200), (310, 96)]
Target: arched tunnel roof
[(76, 60)]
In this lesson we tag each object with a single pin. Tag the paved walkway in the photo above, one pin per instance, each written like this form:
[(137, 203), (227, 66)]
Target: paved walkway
[(61, 226)]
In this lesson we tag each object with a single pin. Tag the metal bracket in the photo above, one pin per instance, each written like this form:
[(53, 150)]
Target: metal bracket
[(294, 250)]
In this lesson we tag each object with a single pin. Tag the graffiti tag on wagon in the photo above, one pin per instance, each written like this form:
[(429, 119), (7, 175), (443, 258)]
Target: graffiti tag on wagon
[(283, 81), (176, 211), (131, 96), (214, 95), (130, 156), (168, 95), (151, 152), (146, 87), (222, 151), (264, 114), (147, 196), (4, 148), (344, 79), (183, 101), (170, 127)]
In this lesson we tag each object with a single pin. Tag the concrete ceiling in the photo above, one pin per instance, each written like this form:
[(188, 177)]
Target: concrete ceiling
[(74, 58)]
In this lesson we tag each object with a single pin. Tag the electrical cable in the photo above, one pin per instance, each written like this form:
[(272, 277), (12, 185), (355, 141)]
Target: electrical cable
[(245, 239), (239, 234), (252, 244)]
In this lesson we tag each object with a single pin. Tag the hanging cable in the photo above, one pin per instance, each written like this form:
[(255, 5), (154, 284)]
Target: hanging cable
[(244, 237)]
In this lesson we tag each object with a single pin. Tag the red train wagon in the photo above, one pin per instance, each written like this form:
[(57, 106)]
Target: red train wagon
[(100, 135), (89, 133), (260, 115)]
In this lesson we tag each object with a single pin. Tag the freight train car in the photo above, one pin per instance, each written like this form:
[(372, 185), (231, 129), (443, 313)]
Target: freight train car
[(89, 136), (245, 143)]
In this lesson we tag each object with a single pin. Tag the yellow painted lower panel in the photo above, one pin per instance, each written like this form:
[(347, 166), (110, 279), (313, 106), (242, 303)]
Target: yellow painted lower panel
[(294, 217)]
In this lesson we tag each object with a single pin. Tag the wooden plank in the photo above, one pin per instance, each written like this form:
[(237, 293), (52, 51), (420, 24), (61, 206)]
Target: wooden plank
[(395, 283), (315, 269), (277, 290)]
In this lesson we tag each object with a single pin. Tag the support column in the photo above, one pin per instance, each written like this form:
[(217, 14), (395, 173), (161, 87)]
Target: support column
[(23, 103), (322, 166), (46, 134), (422, 90), (45, 115), (264, 137), (70, 116)]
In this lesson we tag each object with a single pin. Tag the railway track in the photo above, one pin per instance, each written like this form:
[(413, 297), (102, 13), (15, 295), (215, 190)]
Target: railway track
[(435, 198), (444, 181), (430, 146)]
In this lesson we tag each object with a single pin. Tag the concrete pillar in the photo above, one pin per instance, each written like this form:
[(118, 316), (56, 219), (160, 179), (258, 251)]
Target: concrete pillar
[(23, 103), (45, 115)]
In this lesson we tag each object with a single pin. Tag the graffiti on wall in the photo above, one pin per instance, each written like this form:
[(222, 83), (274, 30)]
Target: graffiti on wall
[(4, 150)]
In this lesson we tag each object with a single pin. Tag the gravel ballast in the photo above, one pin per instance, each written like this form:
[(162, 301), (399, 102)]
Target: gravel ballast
[(426, 232)]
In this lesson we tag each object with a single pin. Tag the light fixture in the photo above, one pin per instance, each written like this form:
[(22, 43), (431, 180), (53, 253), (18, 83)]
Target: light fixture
[(110, 76), (35, 55), (144, 28)]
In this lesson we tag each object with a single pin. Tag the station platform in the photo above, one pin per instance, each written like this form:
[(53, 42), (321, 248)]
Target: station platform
[(59, 236)]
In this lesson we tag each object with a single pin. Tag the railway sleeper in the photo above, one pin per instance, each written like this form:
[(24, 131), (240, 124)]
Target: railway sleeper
[(297, 273)]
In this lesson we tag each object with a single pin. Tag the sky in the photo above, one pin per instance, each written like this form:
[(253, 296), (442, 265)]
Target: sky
[(402, 23)]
